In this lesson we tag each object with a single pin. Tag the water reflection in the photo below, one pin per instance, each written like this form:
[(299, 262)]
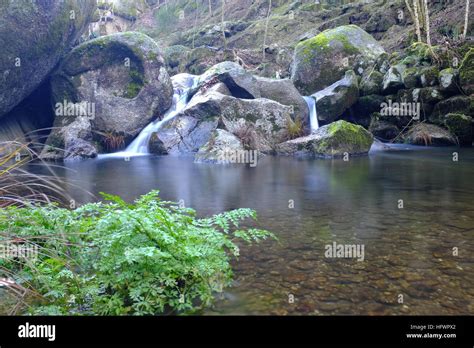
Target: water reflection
[(311, 203)]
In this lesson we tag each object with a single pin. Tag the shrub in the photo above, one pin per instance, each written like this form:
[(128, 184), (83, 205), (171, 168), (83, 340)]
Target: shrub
[(116, 258)]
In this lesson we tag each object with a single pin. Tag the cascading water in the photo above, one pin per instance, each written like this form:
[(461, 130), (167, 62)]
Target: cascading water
[(139, 146), (313, 116)]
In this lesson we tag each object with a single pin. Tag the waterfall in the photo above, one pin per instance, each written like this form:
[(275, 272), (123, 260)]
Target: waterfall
[(139, 146), (313, 116)]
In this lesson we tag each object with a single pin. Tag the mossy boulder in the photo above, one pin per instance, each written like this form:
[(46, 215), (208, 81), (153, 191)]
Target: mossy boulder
[(461, 126), (332, 101), (449, 81), (34, 35), (337, 139), (457, 104), (371, 83), (429, 76), (120, 77), (466, 72), (393, 80), (322, 60)]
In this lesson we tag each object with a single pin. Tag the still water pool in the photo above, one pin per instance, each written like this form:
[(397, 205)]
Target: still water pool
[(411, 208)]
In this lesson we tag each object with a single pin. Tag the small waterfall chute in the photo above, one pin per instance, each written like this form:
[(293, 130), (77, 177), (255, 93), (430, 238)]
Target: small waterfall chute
[(139, 146), (313, 116)]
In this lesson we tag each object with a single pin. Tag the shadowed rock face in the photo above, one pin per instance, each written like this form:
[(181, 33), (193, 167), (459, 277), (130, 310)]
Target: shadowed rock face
[(33, 37)]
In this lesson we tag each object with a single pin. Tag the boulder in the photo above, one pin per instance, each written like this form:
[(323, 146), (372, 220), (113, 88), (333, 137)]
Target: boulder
[(429, 135), (322, 60), (120, 79), (337, 139), (412, 77), (332, 101), (383, 130), (220, 145), (71, 142), (461, 126), (466, 72), (34, 36), (449, 81), (429, 76), (368, 104), (156, 146), (240, 83), (284, 92), (371, 83), (457, 104), (393, 80), (259, 123)]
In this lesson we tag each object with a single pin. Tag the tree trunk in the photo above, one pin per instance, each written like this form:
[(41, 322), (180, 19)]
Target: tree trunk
[(222, 24), (417, 20), (466, 20), (427, 23)]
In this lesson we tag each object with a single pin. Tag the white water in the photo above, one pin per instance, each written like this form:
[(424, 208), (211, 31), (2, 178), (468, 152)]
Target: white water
[(139, 146), (313, 116)]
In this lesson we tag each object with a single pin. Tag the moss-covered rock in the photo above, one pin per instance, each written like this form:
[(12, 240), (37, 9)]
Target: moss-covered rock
[(393, 80), (121, 77), (457, 104), (466, 72), (322, 60), (371, 83), (461, 126), (337, 139), (383, 130), (34, 35), (449, 81), (429, 76)]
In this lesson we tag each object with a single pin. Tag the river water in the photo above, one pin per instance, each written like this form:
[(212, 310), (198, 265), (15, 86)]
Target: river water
[(411, 208)]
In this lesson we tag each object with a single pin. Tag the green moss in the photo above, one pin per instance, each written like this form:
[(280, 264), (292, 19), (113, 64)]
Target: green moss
[(466, 70), (344, 136)]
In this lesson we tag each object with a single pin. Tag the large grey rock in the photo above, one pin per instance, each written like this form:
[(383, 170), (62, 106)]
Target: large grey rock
[(332, 101), (241, 83), (392, 80), (337, 139), (284, 92), (121, 78), (449, 81), (322, 60), (33, 37), (259, 123), (218, 149)]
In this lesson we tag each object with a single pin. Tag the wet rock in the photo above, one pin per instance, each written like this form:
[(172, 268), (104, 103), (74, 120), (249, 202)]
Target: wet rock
[(334, 140), (332, 101), (429, 76), (156, 146), (322, 60)]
